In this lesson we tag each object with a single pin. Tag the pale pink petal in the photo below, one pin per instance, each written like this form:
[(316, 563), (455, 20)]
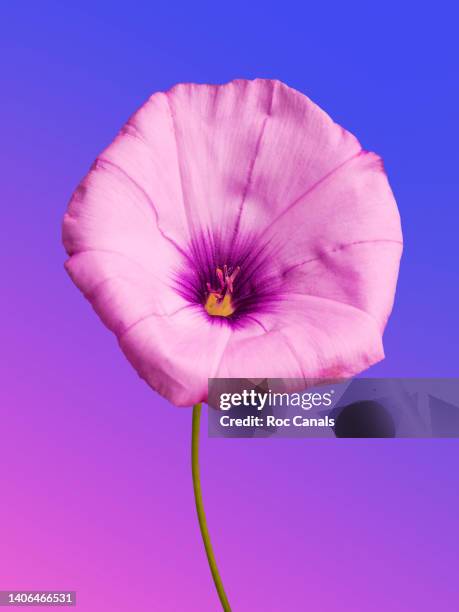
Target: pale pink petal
[(354, 204), (176, 355), (361, 274), (299, 146), (146, 155), (122, 291), (109, 213), (307, 337), (217, 132), (344, 238)]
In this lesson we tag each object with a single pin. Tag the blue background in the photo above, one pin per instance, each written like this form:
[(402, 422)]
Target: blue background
[(86, 446)]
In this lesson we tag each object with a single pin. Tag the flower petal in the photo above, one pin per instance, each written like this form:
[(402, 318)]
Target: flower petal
[(178, 354), (344, 239), (217, 132), (299, 147), (119, 258), (306, 338), (361, 274), (121, 291), (109, 212), (145, 154)]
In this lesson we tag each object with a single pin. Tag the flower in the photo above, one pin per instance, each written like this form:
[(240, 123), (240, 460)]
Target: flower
[(236, 231)]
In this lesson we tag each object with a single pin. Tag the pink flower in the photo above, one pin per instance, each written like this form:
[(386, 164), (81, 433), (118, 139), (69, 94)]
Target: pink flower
[(236, 231)]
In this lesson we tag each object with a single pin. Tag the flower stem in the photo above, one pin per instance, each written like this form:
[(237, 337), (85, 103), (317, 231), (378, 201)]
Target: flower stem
[(200, 508)]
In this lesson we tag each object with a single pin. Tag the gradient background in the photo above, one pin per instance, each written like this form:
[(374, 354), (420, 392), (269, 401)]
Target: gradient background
[(96, 490)]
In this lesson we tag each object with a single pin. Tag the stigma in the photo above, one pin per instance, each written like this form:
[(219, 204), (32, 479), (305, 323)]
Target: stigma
[(220, 301)]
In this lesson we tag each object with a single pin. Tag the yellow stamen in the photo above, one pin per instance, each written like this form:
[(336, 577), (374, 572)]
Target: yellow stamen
[(219, 307), (219, 302)]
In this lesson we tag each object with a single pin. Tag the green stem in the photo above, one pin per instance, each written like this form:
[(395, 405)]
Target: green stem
[(200, 508)]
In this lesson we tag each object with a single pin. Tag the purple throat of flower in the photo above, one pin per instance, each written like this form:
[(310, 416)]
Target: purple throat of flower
[(229, 281)]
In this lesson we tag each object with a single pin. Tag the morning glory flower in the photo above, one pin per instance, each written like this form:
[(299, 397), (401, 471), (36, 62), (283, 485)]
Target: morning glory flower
[(236, 231)]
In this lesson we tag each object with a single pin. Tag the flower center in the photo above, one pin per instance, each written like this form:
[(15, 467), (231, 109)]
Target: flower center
[(220, 302)]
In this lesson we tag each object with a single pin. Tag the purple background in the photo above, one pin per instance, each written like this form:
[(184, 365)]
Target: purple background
[(96, 493)]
